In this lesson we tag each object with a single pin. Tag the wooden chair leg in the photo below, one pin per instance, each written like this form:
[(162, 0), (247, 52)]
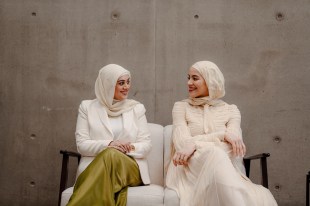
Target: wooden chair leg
[(263, 164), (307, 188), (64, 175), (247, 165)]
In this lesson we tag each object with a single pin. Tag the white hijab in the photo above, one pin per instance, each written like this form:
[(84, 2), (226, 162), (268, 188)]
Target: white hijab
[(105, 88), (215, 82)]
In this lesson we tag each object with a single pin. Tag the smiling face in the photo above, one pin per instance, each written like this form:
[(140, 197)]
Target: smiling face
[(122, 87), (197, 86)]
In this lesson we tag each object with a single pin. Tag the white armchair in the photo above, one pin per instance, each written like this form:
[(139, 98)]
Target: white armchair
[(154, 194), (150, 195)]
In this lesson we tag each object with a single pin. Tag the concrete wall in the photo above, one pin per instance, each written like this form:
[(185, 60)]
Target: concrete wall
[(51, 52)]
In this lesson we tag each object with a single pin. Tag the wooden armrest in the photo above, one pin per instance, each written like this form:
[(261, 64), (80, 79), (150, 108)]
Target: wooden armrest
[(263, 165), (64, 170), (258, 156), (70, 153)]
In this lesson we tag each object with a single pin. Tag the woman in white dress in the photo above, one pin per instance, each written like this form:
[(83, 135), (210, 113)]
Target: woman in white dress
[(207, 147)]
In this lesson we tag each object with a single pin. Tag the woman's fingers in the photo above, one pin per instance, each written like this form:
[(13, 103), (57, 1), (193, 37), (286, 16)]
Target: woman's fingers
[(241, 149), (127, 146), (179, 159), (118, 148), (233, 144), (244, 149), (186, 157), (124, 145), (175, 158), (182, 159), (238, 148)]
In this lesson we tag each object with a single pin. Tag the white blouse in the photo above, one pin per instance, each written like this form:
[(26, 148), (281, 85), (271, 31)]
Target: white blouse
[(116, 125)]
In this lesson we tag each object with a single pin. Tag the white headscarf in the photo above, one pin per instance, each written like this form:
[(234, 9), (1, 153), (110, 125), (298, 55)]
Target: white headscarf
[(215, 82), (105, 88)]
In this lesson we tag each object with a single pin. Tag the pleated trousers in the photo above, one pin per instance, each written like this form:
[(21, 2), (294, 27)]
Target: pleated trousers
[(106, 180)]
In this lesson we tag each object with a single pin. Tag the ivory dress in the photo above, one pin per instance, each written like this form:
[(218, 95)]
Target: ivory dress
[(213, 176)]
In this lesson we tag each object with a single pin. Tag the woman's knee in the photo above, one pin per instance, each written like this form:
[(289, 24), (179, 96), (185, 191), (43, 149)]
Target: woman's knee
[(219, 152), (110, 153)]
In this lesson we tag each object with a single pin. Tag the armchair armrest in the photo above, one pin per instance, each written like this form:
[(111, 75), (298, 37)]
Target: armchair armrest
[(64, 169), (263, 166)]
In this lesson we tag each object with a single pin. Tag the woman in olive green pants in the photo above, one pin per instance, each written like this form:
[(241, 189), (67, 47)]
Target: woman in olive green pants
[(113, 130)]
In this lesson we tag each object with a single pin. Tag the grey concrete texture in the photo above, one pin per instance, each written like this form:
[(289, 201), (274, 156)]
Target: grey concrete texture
[(51, 52)]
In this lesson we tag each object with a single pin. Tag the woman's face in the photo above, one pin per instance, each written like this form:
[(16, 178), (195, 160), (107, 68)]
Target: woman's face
[(197, 86), (122, 87)]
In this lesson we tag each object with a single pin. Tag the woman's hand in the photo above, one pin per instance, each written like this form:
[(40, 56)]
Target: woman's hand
[(237, 144), (181, 157), (121, 145)]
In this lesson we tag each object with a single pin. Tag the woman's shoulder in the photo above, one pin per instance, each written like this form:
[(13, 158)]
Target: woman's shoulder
[(232, 109), (139, 106), (88, 102), (231, 106), (181, 104), (184, 107), (139, 109)]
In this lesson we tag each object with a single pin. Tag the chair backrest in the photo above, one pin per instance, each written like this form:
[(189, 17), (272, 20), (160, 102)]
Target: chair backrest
[(156, 156), (159, 157)]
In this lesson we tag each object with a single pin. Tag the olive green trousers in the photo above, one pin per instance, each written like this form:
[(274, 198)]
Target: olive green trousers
[(105, 181)]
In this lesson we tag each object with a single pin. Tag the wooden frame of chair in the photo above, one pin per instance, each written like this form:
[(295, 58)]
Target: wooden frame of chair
[(307, 188), (263, 166)]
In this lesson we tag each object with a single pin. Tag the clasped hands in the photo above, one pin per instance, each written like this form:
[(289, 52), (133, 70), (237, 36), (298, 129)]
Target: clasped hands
[(123, 146)]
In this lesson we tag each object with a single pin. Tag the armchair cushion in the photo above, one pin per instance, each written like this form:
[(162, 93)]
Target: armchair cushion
[(151, 195), (65, 196), (171, 198)]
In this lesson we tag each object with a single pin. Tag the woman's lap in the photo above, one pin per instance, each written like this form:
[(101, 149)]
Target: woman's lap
[(108, 175)]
